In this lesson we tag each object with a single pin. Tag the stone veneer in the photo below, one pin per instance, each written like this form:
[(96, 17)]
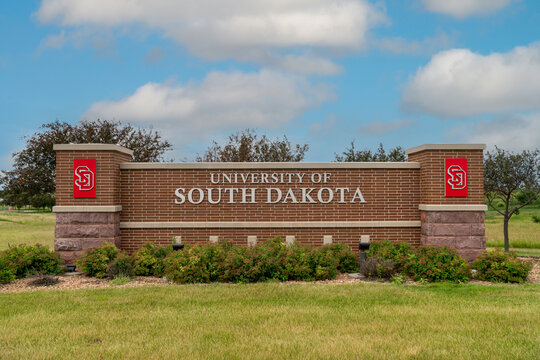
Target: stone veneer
[(462, 230), (78, 231)]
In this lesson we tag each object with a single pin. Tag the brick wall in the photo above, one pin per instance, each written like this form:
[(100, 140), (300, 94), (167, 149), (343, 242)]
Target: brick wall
[(132, 239), (432, 175), (391, 194), (107, 176)]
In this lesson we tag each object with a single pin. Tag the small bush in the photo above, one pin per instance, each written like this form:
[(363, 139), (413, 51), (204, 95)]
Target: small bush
[(398, 252), (94, 262), (121, 266), (25, 260), (498, 266), (536, 219), (44, 280), (379, 268), (437, 264), (195, 264), (149, 260), (348, 261), (7, 272), (269, 260)]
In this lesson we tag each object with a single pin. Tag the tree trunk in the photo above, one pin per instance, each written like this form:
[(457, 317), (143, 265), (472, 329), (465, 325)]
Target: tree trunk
[(506, 239)]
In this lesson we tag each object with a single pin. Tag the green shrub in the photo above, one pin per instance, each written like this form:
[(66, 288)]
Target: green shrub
[(437, 264), (536, 219), (7, 272), (195, 264), (149, 260), (498, 266), (121, 266), (269, 260), (28, 260), (348, 261), (381, 268), (94, 262), (398, 252)]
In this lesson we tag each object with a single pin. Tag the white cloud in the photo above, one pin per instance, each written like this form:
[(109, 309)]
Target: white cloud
[(381, 128), (516, 132), (464, 8), (459, 83), (243, 30), (222, 101)]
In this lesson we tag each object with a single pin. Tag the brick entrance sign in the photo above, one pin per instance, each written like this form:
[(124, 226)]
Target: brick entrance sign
[(435, 198)]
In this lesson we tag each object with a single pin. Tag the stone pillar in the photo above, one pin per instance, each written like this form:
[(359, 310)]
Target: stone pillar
[(451, 220), (86, 222)]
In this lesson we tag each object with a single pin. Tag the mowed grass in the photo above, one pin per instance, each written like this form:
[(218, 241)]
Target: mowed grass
[(26, 228), (523, 231), (274, 321)]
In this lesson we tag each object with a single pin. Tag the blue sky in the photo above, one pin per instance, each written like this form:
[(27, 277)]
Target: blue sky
[(323, 72)]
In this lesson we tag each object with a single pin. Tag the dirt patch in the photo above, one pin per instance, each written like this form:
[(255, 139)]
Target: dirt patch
[(79, 282)]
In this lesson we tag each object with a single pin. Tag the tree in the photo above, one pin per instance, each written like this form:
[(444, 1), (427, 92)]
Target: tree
[(514, 179), (351, 154), (246, 146), (34, 167)]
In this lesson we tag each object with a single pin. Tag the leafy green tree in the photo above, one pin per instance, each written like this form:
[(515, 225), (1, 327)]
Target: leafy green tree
[(514, 179), (351, 154), (34, 167), (247, 146)]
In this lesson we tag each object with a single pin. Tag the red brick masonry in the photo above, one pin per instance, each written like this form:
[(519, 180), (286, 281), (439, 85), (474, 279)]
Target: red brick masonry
[(136, 202)]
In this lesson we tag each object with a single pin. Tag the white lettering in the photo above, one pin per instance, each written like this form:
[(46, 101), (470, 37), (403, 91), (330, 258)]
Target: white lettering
[(326, 177), (306, 198), (316, 178), (212, 178), (210, 199), (190, 196), (358, 194), (180, 195), (269, 195), (330, 195), (342, 194), (245, 195), (231, 194), (290, 195)]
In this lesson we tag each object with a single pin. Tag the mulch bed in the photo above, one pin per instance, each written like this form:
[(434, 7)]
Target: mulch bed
[(83, 282)]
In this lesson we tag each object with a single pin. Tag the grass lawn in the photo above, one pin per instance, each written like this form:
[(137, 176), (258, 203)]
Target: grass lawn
[(26, 228), (275, 321), (523, 231)]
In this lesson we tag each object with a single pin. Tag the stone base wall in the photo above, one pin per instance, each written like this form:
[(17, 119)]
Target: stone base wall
[(462, 230), (75, 232)]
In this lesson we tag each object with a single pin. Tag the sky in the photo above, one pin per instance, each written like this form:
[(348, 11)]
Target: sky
[(321, 72)]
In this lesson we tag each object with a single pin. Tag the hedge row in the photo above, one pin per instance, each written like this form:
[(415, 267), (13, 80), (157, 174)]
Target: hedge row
[(24, 260), (223, 262), (433, 264)]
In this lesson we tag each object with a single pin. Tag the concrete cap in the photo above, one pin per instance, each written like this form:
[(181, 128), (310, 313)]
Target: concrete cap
[(92, 147), (445, 147)]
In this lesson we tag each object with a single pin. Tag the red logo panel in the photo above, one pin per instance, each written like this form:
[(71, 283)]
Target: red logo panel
[(455, 177), (84, 178)]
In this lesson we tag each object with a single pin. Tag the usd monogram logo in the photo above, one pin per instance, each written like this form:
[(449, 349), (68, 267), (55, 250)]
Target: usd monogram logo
[(86, 178), (458, 177)]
